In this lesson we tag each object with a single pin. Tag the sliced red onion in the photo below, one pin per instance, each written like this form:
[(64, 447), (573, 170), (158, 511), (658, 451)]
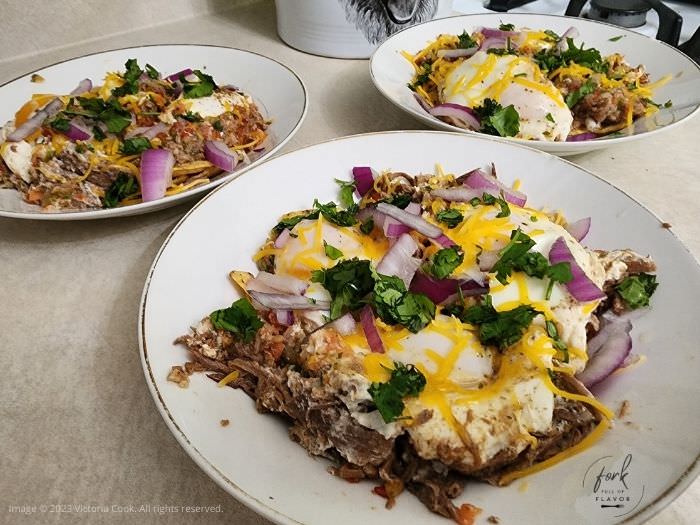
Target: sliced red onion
[(84, 86), (364, 179), (471, 288), (493, 43), (457, 53), (399, 260), (487, 260), (607, 352), (437, 290), (480, 180), (176, 76), (415, 222), (579, 229), (370, 330), (445, 241), (156, 173), (149, 132), (580, 287), (275, 301), (344, 325), (492, 32), (462, 193), (78, 130), (257, 286), (283, 238), (219, 154), (285, 317), (562, 44), (282, 283), (393, 228), (422, 102), (463, 116), (34, 123), (581, 137)]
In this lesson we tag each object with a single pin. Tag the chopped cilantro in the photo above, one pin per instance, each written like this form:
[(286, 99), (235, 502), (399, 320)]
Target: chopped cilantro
[(506, 27), (422, 77), (240, 318), (348, 282), (500, 329), (668, 104), (497, 120), (331, 251), (152, 72), (405, 381), (552, 35), (636, 290), (520, 75), (337, 216), (217, 125), (616, 38), (489, 199), (558, 344), (573, 98), (518, 246), (290, 222), (502, 51), (549, 117), (123, 186), (451, 217), (135, 145), (98, 133), (395, 305), (551, 59), (131, 79), (465, 41), (111, 113), (60, 124), (444, 262), (400, 200), (204, 88), (346, 191), (367, 226), (191, 117)]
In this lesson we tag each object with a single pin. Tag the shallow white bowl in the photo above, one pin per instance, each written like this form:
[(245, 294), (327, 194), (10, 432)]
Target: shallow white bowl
[(391, 72), (254, 459), (278, 91)]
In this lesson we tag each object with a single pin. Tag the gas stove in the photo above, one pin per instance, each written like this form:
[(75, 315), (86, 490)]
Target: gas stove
[(676, 23)]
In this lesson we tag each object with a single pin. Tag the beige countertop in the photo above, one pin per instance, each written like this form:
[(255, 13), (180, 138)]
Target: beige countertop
[(78, 423)]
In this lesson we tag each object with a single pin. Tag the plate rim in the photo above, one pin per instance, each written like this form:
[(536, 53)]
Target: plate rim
[(570, 148), (172, 200), (678, 487)]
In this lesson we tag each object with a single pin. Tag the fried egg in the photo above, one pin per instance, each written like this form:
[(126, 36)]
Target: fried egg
[(478, 402), (516, 80)]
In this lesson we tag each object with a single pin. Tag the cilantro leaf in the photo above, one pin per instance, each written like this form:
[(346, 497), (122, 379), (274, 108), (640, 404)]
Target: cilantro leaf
[(152, 72), (489, 199), (98, 133), (291, 222), (240, 318), (465, 41), (501, 329), (135, 145), (506, 27), (405, 381), (331, 212), (636, 290), (451, 217), (217, 125), (111, 113), (346, 191), (519, 244), (331, 251), (400, 200), (549, 117), (395, 305), (558, 273), (551, 59), (444, 262), (191, 117), (615, 38), (367, 226), (131, 79), (60, 124), (558, 344), (422, 77), (348, 282), (204, 88), (575, 97), (122, 187), (497, 120)]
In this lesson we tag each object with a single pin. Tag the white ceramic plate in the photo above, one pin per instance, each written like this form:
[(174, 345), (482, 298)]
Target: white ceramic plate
[(391, 72), (278, 91), (254, 459)]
